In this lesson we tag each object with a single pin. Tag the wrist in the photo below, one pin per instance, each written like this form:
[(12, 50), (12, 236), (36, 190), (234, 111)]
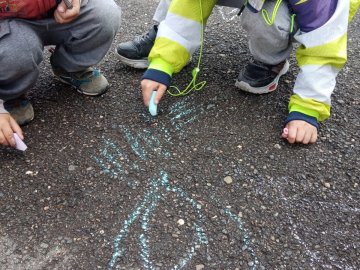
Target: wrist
[(157, 76), (303, 117)]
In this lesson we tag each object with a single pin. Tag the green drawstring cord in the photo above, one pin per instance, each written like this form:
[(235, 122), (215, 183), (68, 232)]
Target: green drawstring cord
[(193, 85), (271, 21)]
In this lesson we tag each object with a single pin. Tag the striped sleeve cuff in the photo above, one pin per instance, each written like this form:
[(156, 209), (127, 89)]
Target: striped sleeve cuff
[(301, 116), (2, 108), (157, 76)]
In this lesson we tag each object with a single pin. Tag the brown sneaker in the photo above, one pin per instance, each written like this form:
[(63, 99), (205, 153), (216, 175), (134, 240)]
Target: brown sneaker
[(89, 82)]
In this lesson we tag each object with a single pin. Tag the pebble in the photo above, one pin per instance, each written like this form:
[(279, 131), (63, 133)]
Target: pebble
[(181, 222), (31, 173), (200, 267), (2, 194), (277, 146), (72, 168), (228, 180), (327, 185), (44, 245)]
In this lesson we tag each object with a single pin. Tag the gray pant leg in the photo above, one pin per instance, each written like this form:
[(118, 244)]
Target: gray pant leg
[(84, 42), (79, 45), (161, 10), (268, 44), (21, 51)]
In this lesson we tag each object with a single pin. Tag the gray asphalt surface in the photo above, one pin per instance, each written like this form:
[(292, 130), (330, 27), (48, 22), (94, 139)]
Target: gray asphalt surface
[(208, 184)]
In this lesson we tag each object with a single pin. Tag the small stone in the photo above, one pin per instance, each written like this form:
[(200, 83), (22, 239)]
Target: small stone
[(31, 173), (44, 245), (228, 180), (72, 168), (327, 185), (46, 208), (200, 267), (277, 146), (181, 222), (250, 264)]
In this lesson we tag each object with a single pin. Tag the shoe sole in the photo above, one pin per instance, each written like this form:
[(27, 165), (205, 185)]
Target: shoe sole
[(271, 87), (139, 63)]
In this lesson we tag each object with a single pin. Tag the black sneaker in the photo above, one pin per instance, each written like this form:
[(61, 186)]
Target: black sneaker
[(259, 78), (135, 53)]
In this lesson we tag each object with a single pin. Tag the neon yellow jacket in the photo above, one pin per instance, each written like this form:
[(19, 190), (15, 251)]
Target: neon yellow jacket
[(321, 55)]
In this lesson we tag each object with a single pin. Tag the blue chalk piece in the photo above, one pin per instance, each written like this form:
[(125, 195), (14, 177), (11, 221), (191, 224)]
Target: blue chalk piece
[(152, 105)]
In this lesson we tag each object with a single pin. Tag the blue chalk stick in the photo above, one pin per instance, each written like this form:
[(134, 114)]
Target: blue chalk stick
[(152, 105)]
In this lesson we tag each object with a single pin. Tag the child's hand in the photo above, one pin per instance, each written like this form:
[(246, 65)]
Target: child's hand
[(64, 15), (298, 131), (148, 86), (8, 127)]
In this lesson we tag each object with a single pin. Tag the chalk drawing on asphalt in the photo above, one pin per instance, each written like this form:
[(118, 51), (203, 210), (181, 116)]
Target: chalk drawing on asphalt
[(112, 160), (227, 14), (298, 202)]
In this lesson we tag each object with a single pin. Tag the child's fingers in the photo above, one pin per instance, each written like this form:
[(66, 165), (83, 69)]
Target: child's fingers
[(159, 94), (307, 137), (314, 136), (65, 15), (291, 137), (148, 86), (7, 136), (285, 132), (146, 93), (300, 135), (16, 128), (61, 7)]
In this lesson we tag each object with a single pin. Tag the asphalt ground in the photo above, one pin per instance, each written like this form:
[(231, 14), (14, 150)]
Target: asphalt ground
[(208, 184)]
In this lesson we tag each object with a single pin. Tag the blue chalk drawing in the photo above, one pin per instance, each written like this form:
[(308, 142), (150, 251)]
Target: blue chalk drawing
[(144, 145), (145, 208), (315, 257)]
